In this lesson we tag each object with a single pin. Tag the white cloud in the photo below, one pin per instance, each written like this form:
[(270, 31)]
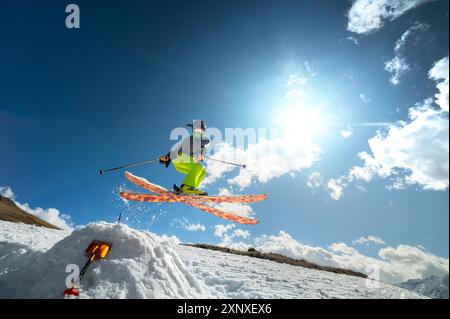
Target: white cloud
[(241, 233), (439, 73), (368, 239), (50, 215), (347, 132), (352, 39), (195, 227), (364, 98), (296, 80), (366, 16), (286, 155), (7, 192), (220, 230), (413, 152), (393, 265), (315, 180), (342, 248), (238, 209), (172, 239), (400, 43), (417, 152), (397, 66), (285, 245), (215, 170), (235, 245), (185, 224), (295, 85), (405, 262), (336, 188), (366, 172)]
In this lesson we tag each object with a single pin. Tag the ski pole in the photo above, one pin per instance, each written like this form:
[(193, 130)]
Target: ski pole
[(225, 162), (129, 165)]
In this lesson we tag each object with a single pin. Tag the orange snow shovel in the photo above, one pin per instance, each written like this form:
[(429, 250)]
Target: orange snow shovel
[(96, 250)]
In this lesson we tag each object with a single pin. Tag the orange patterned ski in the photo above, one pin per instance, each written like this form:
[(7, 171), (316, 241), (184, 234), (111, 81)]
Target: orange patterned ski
[(225, 215), (150, 198), (188, 200), (145, 184)]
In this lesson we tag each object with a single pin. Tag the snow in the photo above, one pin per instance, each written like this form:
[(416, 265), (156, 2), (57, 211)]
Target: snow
[(21, 242), (141, 264), (434, 286), (29, 236), (234, 276)]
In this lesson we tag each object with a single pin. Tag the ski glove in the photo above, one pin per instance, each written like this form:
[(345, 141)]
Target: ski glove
[(165, 159)]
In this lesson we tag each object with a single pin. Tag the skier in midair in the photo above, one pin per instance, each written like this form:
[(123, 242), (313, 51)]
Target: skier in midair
[(187, 159)]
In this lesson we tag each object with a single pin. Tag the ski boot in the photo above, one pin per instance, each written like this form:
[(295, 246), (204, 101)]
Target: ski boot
[(189, 190), (176, 190)]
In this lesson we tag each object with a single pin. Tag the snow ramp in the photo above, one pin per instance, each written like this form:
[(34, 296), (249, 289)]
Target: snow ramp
[(139, 265)]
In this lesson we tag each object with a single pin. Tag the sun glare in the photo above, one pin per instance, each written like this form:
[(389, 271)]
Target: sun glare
[(300, 121)]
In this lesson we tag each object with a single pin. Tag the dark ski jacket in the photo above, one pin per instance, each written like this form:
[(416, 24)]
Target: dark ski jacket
[(191, 146)]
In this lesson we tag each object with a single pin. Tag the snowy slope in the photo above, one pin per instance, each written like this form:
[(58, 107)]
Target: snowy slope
[(434, 286), (19, 243), (30, 236), (233, 276), (144, 265)]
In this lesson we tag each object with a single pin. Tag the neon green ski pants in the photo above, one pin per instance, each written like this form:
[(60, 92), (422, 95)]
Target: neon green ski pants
[(195, 173)]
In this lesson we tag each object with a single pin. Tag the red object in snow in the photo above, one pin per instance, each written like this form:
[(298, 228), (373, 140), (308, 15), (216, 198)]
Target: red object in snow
[(71, 292)]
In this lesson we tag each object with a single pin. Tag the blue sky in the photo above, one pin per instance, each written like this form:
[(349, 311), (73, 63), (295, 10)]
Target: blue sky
[(76, 100)]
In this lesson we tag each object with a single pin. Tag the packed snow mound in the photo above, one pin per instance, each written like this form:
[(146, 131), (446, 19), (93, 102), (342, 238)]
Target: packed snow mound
[(139, 265)]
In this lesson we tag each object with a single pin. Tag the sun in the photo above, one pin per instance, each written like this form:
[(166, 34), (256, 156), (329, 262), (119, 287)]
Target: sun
[(300, 121)]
